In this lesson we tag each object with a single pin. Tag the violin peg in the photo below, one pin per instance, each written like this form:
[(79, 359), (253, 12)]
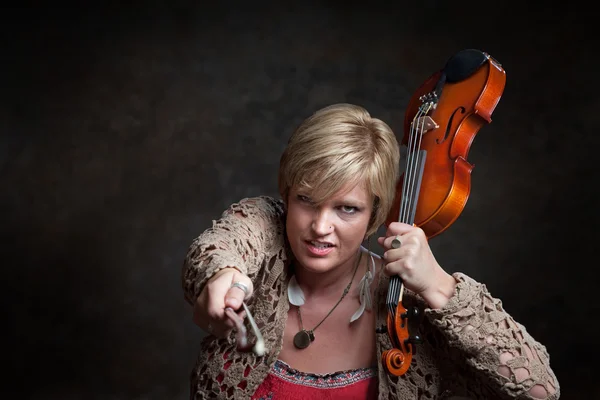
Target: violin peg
[(413, 312), (415, 339)]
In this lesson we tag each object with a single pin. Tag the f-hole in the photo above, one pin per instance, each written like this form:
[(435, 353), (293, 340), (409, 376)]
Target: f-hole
[(449, 125)]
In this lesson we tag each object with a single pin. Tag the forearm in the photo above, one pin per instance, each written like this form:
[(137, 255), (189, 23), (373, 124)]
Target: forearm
[(494, 345), (203, 261), (238, 239), (442, 291)]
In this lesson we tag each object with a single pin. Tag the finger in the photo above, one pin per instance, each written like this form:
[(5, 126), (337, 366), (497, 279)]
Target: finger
[(216, 291), (395, 269), (398, 234), (398, 228), (395, 231), (230, 323), (209, 308), (241, 336), (389, 270), (222, 323), (390, 243), (218, 326), (240, 289), (221, 327)]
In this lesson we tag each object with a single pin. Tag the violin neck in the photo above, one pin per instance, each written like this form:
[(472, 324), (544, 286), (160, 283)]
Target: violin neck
[(411, 186)]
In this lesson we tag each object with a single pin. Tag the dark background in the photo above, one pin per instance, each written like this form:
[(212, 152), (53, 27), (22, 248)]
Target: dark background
[(126, 129)]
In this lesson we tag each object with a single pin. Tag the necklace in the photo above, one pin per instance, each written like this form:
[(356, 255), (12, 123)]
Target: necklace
[(304, 337)]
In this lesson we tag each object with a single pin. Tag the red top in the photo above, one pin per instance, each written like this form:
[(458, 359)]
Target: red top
[(286, 383)]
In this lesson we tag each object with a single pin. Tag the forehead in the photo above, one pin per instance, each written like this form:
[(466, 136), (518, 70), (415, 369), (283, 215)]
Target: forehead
[(355, 191)]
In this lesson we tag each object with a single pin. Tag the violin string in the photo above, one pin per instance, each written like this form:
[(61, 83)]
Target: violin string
[(395, 288), (413, 156), (413, 165), (418, 137), (389, 301), (408, 172), (419, 156), (396, 282), (411, 173), (418, 161)]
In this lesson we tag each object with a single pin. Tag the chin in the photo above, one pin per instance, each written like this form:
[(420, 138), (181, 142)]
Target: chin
[(317, 264)]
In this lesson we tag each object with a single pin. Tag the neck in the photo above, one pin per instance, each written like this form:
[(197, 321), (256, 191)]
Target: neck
[(327, 283)]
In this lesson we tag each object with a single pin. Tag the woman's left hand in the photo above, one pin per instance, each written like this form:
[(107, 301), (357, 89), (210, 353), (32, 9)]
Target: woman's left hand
[(416, 265)]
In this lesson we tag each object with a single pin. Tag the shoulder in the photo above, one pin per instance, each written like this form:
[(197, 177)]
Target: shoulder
[(261, 216), (267, 206)]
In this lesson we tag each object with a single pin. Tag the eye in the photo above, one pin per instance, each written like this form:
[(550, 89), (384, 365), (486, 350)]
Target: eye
[(304, 199), (349, 209)]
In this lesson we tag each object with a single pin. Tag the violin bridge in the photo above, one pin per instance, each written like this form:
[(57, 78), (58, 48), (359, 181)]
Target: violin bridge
[(425, 124)]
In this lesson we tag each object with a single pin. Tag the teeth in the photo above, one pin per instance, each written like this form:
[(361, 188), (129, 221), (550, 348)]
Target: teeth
[(320, 245)]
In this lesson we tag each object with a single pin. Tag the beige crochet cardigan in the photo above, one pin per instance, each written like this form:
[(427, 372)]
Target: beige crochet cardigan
[(451, 361)]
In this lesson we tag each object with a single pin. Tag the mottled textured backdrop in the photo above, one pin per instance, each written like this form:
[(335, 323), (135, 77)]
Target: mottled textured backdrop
[(126, 130)]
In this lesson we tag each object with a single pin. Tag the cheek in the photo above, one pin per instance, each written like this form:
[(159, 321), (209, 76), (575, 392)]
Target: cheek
[(354, 231), (294, 222)]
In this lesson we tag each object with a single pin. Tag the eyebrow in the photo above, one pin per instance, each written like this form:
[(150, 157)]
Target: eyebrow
[(351, 200), (346, 198)]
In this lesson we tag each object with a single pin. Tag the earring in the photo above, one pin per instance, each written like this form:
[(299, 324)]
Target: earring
[(364, 286)]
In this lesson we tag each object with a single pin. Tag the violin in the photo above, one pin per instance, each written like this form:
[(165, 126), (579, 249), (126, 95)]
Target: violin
[(441, 120)]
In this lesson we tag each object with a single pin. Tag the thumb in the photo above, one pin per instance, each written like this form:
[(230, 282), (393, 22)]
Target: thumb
[(241, 288)]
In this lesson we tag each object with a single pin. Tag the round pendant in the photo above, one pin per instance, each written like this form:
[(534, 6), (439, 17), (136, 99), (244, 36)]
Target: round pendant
[(302, 339)]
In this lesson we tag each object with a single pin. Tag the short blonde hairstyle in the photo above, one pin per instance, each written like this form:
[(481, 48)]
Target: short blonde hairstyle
[(339, 145)]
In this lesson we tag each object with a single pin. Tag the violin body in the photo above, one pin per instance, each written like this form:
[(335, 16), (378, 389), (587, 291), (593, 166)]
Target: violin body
[(464, 105), (441, 121)]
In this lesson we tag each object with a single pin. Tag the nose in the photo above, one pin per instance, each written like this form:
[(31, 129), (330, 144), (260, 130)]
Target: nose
[(322, 223)]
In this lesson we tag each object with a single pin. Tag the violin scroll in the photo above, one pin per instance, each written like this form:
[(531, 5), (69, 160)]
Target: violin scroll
[(402, 324)]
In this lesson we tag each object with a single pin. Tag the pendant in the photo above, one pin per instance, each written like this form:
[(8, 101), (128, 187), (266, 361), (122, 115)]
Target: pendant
[(303, 338)]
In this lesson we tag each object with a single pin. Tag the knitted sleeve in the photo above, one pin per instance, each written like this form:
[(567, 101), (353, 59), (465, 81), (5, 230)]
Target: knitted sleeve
[(501, 355), (239, 239)]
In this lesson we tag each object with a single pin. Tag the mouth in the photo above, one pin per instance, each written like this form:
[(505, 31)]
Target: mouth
[(320, 245), (319, 249)]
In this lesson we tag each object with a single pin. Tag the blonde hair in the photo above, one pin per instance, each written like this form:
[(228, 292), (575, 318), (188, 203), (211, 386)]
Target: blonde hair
[(339, 145)]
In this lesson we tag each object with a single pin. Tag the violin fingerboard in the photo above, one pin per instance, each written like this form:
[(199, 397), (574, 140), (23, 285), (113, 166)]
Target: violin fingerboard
[(410, 194)]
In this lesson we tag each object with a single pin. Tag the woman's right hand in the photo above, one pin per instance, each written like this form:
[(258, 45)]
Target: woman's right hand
[(218, 295)]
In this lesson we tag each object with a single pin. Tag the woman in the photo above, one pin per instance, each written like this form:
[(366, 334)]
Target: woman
[(318, 294)]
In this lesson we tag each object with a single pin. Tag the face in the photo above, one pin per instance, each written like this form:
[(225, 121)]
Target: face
[(326, 236)]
